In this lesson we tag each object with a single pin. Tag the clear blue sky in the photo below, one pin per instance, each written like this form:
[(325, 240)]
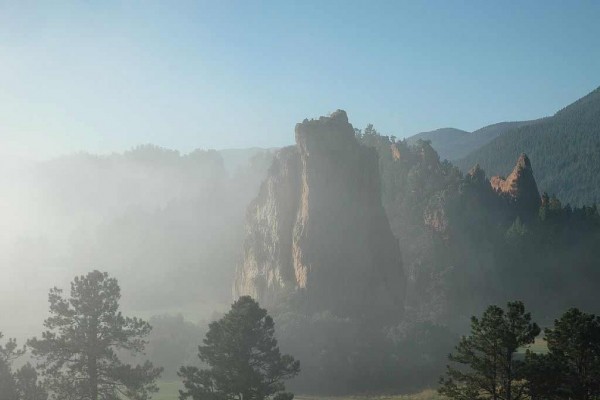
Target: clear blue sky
[(104, 76)]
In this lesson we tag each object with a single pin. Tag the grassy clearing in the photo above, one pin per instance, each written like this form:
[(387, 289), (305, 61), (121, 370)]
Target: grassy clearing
[(539, 346), (428, 394), (169, 391)]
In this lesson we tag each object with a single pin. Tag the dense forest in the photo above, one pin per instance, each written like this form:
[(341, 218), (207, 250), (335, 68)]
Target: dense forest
[(564, 149), (459, 236)]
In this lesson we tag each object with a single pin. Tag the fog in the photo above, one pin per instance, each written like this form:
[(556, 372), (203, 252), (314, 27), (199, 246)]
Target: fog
[(168, 226)]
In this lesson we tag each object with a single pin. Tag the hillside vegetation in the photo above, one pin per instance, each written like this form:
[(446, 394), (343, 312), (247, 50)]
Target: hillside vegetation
[(564, 149)]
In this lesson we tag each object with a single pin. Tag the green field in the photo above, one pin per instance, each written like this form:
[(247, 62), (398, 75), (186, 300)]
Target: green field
[(428, 394), (539, 346), (169, 391)]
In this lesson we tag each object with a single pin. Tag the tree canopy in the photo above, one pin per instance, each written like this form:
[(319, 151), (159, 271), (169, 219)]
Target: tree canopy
[(487, 356), (243, 358), (21, 384), (78, 352), (571, 368)]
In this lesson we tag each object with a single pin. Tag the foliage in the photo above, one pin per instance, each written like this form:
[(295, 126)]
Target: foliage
[(571, 369), (8, 353), (243, 358), (28, 386), (463, 244), (489, 368), (543, 375), (78, 351), (22, 384), (342, 355)]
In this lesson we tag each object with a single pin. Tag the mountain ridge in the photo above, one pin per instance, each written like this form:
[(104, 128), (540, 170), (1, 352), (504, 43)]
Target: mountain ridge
[(453, 144)]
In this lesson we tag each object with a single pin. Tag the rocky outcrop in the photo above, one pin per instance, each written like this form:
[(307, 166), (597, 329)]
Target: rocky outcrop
[(519, 188), (318, 233)]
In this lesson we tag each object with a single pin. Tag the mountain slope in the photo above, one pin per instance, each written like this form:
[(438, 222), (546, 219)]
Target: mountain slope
[(565, 149), (448, 142), (490, 132), (454, 144)]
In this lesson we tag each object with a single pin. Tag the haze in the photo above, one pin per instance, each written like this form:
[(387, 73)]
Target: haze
[(372, 174)]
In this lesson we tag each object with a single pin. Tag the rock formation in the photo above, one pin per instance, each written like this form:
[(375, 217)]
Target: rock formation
[(317, 232), (519, 187)]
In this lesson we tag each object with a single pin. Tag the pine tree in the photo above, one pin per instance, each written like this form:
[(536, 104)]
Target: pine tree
[(243, 358), (28, 386), (78, 352), (574, 344), (8, 353), (488, 366)]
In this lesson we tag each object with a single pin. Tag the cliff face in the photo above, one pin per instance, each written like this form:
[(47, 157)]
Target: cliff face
[(519, 187), (318, 231)]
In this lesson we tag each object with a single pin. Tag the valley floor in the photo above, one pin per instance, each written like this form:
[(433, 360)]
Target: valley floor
[(169, 391)]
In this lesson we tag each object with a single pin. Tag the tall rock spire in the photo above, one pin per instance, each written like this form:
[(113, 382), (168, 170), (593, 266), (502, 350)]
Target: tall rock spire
[(520, 187), (318, 231)]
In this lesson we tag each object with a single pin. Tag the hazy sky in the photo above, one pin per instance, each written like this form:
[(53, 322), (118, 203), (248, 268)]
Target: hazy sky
[(104, 76)]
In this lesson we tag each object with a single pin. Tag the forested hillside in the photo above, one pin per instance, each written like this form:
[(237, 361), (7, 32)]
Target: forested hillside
[(564, 149), (449, 142), (465, 239)]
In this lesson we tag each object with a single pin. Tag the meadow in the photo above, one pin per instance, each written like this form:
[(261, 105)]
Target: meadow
[(169, 391)]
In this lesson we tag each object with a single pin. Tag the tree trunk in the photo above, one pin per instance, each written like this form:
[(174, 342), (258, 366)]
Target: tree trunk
[(93, 371), (509, 377), (92, 359)]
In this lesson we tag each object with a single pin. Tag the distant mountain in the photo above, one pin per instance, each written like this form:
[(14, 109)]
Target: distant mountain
[(565, 150), (448, 142), (490, 132), (454, 144)]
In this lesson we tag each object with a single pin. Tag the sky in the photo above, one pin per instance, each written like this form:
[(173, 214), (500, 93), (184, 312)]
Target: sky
[(105, 76)]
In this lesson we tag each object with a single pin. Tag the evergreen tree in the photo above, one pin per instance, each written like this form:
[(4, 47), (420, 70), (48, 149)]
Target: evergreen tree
[(20, 385), (8, 353), (574, 346), (28, 387), (243, 358), (488, 368), (544, 376), (78, 352)]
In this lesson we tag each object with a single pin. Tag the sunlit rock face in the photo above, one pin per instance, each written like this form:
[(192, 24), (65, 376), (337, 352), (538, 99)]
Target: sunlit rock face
[(519, 187), (317, 235)]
